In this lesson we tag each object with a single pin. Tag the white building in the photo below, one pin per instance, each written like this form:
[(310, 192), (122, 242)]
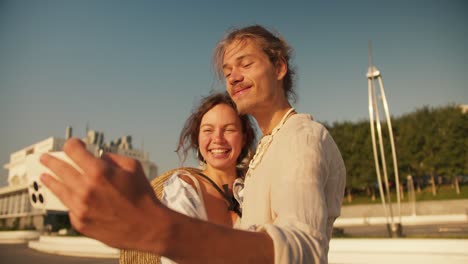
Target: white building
[(15, 207), (464, 108)]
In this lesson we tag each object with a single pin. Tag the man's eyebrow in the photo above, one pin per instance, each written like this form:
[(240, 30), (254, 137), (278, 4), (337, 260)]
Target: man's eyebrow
[(238, 59)]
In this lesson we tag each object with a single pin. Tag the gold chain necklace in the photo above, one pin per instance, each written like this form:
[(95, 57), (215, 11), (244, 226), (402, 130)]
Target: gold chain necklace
[(265, 142)]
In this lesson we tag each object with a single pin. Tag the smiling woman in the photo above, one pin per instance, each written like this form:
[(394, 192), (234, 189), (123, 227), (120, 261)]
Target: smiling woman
[(189, 138), (223, 142), (220, 138)]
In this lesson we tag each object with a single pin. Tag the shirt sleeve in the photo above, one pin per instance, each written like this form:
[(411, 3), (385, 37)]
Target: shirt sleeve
[(306, 197), (182, 197)]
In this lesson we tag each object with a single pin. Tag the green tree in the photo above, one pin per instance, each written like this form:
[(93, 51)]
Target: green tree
[(429, 142)]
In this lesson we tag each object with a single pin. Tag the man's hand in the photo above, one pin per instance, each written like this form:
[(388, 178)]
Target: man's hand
[(111, 201)]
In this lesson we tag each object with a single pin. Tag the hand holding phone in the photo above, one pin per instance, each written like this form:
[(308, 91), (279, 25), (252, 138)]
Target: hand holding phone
[(39, 195)]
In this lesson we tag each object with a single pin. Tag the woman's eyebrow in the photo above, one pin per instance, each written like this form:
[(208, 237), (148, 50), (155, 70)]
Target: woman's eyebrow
[(224, 125)]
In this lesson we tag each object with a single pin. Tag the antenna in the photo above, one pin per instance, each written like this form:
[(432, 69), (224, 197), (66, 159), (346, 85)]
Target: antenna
[(373, 72), (370, 54)]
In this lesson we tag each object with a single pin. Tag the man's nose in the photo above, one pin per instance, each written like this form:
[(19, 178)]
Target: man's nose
[(235, 76)]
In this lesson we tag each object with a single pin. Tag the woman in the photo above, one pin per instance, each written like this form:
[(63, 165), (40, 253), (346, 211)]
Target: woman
[(222, 141)]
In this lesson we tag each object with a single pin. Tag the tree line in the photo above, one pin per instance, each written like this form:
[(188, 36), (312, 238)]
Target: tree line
[(431, 143)]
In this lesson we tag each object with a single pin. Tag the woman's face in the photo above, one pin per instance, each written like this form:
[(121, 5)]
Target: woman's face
[(220, 137)]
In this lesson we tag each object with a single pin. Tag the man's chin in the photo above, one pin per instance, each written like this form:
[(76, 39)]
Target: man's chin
[(243, 108)]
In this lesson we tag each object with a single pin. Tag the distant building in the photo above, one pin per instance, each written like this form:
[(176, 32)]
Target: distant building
[(16, 211), (464, 108)]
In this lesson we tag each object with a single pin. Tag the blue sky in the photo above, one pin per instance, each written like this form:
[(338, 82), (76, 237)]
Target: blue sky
[(138, 67)]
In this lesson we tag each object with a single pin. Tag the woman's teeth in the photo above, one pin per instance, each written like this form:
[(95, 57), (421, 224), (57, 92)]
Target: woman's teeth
[(219, 151)]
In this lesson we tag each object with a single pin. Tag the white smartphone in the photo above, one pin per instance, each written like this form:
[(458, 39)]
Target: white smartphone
[(39, 195)]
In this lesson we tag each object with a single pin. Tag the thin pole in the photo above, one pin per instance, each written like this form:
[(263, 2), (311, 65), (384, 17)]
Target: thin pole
[(374, 147), (392, 144), (382, 155)]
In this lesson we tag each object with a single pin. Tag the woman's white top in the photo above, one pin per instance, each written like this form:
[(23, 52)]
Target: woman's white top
[(183, 198)]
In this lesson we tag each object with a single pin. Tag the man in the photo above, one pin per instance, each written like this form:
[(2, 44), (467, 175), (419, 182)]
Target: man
[(293, 188)]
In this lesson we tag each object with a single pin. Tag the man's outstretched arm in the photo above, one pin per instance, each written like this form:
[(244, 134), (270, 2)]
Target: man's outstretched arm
[(112, 201)]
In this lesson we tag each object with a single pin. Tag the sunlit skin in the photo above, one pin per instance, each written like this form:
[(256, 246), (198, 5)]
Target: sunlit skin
[(255, 84)]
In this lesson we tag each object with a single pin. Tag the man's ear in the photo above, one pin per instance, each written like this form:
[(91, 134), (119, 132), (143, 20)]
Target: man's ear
[(281, 69)]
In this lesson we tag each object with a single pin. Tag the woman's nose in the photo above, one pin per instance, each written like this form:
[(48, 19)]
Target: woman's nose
[(218, 137)]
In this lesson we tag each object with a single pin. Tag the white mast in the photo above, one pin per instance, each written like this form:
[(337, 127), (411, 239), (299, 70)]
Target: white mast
[(372, 74)]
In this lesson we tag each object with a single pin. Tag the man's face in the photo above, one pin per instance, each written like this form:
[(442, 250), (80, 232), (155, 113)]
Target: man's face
[(252, 81)]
